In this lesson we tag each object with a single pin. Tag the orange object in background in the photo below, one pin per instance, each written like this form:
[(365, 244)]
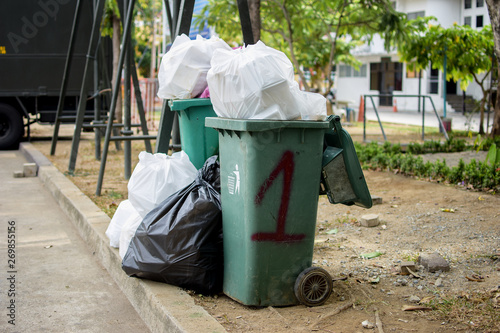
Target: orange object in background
[(361, 113)]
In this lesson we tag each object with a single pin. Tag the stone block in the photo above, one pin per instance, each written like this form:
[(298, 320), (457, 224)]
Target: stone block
[(369, 220), (30, 169), (405, 265), (376, 200)]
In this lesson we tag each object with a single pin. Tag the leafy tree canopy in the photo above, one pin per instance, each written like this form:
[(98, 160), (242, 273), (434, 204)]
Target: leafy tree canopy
[(313, 34), (468, 51)]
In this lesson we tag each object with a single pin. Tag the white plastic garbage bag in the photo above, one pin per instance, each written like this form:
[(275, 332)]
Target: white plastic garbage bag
[(156, 177), (313, 107), (123, 212), (128, 231), (184, 67), (257, 82)]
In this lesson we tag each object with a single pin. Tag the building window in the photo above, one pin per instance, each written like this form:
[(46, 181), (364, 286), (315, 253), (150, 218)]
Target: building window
[(345, 71), (479, 3), (433, 87), (414, 15), (467, 21), (359, 73), (349, 71), (479, 21), (468, 4)]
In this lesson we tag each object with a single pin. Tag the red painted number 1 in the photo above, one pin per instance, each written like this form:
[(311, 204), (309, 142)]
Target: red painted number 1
[(287, 166)]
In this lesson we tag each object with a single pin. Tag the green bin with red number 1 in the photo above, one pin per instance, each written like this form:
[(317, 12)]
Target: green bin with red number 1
[(270, 179)]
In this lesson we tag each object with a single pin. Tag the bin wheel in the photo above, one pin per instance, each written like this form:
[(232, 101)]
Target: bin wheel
[(313, 286)]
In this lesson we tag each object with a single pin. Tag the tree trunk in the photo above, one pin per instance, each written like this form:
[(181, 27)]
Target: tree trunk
[(254, 9), (495, 131), (116, 57), (483, 102), (494, 11), (289, 39)]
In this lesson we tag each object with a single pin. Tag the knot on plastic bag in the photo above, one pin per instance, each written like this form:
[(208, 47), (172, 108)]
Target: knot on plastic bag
[(184, 67), (257, 82), (210, 172)]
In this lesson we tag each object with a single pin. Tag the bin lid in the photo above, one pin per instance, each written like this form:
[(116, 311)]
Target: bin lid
[(254, 125), (183, 104)]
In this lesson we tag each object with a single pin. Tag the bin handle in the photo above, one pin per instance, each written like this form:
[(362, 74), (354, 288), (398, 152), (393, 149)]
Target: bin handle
[(335, 124)]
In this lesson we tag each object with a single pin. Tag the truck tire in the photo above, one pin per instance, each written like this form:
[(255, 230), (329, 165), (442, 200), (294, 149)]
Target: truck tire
[(11, 127)]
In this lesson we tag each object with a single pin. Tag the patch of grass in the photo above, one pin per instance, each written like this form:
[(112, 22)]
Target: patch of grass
[(479, 311), (109, 200), (482, 175), (346, 219), (411, 257)]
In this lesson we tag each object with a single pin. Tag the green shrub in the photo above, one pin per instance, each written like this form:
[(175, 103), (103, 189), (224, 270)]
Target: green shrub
[(480, 175)]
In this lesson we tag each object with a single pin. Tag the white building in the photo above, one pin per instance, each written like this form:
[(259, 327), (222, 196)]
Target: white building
[(382, 73)]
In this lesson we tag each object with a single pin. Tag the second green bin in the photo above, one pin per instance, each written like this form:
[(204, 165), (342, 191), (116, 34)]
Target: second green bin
[(198, 141), (270, 176)]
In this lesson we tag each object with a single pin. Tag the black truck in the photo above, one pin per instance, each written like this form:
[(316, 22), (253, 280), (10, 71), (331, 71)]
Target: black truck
[(34, 41)]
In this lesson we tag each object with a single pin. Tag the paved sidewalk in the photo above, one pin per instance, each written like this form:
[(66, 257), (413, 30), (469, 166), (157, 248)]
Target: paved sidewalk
[(458, 121), (60, 247), (50, 279)]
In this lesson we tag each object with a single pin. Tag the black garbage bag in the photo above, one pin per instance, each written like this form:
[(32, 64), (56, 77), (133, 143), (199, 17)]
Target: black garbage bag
[(180, 241)]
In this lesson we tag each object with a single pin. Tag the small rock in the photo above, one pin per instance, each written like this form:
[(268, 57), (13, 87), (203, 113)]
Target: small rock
[(439, 283), (414, 299), (368, 324), (401, 282), (376, 200), (369, 220), (433, 262), (18, 174)]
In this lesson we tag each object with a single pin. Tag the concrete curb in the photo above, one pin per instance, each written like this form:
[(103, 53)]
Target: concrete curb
[(164, 308)]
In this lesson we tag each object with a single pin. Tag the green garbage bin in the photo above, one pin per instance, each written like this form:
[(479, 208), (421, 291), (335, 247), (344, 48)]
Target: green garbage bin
[(199, 142), (270, 179)]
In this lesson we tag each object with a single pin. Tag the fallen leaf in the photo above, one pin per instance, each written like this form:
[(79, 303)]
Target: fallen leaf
[(413, 273), (371, 255), (475, 278), (448, 210), (344, 278), (415, 308), (480, 198), (332, 231)]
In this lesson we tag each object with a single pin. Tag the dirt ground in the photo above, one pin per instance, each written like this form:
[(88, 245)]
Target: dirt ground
[(416, 217)]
